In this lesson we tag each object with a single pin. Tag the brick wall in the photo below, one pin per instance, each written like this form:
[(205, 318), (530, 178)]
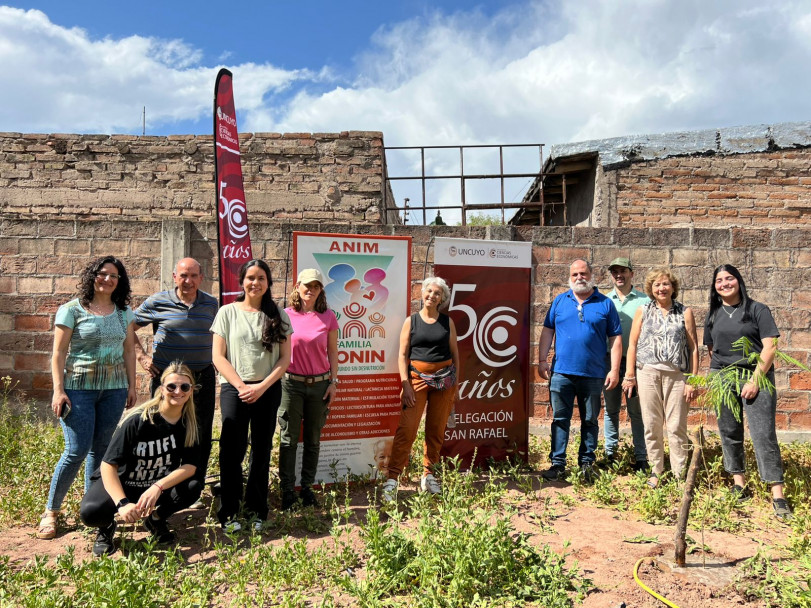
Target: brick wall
[(41, 259), (294, 176), (756, 189)]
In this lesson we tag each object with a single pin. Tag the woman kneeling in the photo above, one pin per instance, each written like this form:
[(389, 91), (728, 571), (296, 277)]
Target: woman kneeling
[(146, 472)]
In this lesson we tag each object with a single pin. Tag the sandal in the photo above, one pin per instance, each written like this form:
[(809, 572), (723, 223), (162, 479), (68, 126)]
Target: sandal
[(653, 481), (47, 525)]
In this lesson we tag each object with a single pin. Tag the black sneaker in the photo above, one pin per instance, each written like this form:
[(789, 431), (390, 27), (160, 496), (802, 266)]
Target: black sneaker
[(159, 530), (308, 498), (105, 541), (588, 473), (781, 510), (608, 461), (641, 465), (740, 493), (289, 500), (554, 473)]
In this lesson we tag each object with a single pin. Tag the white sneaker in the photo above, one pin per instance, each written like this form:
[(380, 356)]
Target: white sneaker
[(258, 525), (429, 484), (389, 493), (232, 527)]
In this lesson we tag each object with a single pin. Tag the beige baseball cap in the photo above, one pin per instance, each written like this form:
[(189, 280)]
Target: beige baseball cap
[(310, 275)]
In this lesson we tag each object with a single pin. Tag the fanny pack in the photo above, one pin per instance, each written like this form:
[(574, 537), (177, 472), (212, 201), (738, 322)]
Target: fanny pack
[(441, 379)]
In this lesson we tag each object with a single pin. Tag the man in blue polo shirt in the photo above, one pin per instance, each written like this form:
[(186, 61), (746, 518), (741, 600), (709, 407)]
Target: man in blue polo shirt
[(579, 322), (181, 320), (627, 300)]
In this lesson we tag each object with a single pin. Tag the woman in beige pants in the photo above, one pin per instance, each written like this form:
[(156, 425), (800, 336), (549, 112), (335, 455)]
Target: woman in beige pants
[(662, 348)]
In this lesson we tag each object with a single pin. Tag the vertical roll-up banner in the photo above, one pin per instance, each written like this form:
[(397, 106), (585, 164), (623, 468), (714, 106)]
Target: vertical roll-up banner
[(490, 304), (233, 238), (367, 281)]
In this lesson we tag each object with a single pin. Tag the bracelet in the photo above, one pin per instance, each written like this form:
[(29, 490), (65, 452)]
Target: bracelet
[(160, 487), (630, 378)]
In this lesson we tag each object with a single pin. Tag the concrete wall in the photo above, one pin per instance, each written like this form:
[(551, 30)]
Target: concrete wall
[(42, 258)]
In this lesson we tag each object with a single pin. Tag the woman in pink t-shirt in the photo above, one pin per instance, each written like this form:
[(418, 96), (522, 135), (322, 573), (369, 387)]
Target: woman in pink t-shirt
[(308, 386)]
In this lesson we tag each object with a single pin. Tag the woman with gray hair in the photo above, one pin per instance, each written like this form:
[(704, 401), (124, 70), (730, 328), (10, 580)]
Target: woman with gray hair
[(429, 367)]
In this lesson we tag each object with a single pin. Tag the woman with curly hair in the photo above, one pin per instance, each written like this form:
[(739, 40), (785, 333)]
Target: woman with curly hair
[(148, 468), (251, 352), (93, 370)]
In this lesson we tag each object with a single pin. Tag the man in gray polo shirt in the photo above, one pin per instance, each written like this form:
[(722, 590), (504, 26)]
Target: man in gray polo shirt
[(181, 319), (627, 300)]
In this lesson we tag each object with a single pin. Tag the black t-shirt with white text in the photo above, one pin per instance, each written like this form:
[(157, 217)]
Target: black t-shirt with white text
[(146, 452), (726, 330)]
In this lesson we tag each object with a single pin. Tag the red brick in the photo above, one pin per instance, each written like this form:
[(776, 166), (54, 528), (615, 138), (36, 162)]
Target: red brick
[(32, 323), (42, 381), (792, 401), (799, 421), (800, 381), (32, 361)]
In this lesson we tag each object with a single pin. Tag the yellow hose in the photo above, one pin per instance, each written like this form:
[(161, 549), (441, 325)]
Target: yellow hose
[(648, 589)]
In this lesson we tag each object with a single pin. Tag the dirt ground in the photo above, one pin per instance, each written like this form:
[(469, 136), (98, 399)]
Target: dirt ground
[(597, 540)]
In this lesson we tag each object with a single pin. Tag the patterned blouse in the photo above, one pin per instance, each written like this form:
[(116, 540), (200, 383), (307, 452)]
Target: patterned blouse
[(95, 359), (663, 339)]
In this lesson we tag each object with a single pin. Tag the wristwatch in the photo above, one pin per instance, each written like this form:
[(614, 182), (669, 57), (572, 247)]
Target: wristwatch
[(122, 503), (335, 381)]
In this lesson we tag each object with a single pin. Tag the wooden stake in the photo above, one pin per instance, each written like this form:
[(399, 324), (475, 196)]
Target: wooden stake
[(697, 438)]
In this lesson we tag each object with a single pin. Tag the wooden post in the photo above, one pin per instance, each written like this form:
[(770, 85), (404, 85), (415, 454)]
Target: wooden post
[(697, 438)]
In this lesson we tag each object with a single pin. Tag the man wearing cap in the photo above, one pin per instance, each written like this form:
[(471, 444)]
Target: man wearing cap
[(627, 300), (181, 319), (579, 322)]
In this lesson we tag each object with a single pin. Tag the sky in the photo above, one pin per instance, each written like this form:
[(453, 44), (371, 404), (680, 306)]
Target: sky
[(439, 72)]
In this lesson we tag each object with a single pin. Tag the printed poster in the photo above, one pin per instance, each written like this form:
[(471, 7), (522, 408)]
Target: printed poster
[(367, 284), (490, 306)]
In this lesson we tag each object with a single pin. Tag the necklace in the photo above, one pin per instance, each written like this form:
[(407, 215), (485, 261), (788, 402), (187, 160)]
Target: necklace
[(97, 310), (734, 310)]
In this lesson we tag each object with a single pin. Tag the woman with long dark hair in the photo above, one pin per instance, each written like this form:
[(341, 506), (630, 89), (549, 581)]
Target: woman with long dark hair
[(308, 386), (148, 468), (734, 315), (251, 352), (93, 371)]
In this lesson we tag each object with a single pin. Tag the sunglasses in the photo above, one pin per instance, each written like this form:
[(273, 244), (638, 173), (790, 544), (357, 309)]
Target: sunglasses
[(172, 387)]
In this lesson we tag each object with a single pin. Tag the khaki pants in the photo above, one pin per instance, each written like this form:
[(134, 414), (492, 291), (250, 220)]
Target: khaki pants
[(437, 406), (661, 395)]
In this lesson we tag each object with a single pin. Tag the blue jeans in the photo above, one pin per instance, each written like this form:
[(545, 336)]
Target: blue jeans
[(611, 421), (88, 429), (563, 390)]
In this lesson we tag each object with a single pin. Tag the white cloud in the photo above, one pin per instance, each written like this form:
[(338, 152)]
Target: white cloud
[(62, 80), (590, 69), (533, 72)]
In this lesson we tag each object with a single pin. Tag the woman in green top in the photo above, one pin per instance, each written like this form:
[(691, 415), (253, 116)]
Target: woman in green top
[(251, 352), (93, 369)]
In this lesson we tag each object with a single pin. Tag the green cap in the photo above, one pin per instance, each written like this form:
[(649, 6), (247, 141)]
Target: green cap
[(624, 262)]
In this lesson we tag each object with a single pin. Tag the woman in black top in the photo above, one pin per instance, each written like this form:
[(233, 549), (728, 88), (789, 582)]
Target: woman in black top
[(733, 315), (146, 472), (429, 366)]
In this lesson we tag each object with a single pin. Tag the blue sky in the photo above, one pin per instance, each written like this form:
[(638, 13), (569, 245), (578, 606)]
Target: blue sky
[(424, 73)]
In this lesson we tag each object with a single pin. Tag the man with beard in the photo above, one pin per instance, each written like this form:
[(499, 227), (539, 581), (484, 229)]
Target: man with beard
[(579, 322)]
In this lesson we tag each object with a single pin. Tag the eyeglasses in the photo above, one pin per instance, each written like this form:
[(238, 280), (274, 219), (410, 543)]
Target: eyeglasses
[(172, 387), (104, 275)]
